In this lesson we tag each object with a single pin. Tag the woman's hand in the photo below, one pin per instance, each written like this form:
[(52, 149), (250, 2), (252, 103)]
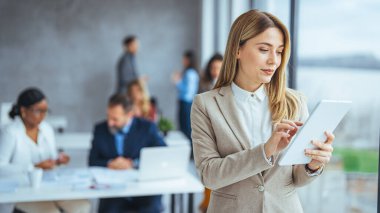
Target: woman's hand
[(322, 154), (282, 134), (63, 158), (176, 77), (46, 164)]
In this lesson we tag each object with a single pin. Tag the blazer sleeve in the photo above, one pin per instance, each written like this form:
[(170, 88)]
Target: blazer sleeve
[(300, 175), (7, 150), (217, 171), (95, 158), (155, 137)]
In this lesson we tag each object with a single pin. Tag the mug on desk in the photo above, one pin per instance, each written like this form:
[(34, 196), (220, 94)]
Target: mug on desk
[(35, 177)]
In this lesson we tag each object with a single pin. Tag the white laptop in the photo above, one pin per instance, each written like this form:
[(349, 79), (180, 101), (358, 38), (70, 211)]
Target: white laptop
[(163, 162)]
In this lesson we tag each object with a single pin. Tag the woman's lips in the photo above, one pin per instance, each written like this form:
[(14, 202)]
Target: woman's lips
[(267, 71)]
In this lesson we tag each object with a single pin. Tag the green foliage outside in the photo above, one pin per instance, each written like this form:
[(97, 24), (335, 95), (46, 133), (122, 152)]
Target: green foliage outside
[(358, 160)]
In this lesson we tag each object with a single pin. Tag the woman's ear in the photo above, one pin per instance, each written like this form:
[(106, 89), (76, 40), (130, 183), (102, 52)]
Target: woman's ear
[(238, 54), (22, 112)]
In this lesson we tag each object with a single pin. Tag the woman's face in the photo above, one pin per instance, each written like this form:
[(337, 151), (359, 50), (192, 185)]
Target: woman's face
[(216, 66), (185, 61), (35, 114), (136, 93), (260, 56)]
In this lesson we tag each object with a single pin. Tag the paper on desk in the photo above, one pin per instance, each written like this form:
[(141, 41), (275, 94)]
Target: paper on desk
[(113, 177), (67, 177)]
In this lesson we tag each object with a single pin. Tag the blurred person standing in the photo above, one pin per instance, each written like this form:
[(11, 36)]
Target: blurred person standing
[(210, 76), (142, 107), (29, 142), (187, 83), (126, 67)]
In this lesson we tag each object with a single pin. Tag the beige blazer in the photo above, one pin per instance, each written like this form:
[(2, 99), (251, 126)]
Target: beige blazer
[(240, 176)]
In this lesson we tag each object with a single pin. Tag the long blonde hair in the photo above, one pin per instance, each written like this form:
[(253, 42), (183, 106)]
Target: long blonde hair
[(283, 103), (144, 104)]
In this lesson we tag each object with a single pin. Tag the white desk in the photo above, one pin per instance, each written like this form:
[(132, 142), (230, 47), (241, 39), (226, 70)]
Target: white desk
[(187, 184), (82, 140)]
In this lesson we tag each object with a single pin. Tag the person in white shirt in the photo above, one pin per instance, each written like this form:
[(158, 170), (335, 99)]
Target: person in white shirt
[(241, 127), (29, 142)]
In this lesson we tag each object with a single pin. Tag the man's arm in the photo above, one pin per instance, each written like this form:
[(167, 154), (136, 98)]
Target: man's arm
[(95, 158), (155, 138)]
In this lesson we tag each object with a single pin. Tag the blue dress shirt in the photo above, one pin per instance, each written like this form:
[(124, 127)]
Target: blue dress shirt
[(120, 136), (188, 86)]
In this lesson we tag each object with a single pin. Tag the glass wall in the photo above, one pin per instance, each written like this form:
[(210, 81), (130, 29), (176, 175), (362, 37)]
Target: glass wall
[(339, 58)]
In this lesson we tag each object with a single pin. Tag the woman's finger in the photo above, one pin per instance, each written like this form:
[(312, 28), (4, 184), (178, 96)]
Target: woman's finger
[(330, 137), (318, 153), (323, 160), (291, 123), (284, 127), (323, 146)]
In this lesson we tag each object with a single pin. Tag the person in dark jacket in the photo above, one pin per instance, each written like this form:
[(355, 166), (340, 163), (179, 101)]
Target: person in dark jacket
[(116, 145)]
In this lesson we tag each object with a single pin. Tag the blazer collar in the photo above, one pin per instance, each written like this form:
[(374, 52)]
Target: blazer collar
[(227, 105)]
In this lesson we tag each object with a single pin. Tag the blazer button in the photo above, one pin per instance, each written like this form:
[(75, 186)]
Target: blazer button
[(261, 188)]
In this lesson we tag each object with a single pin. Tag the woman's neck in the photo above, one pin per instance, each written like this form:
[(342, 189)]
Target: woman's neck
[(246, 84), (29, 127)]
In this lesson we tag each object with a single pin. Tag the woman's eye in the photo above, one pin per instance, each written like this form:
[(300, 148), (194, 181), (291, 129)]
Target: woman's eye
[(279, 53), (264, 50)]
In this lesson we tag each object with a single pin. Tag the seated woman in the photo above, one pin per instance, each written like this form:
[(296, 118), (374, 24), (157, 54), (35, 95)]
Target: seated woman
[(29, 142), (143, 108)]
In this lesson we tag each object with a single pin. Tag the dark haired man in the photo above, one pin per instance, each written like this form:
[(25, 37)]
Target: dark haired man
[(116, 144), (126, 67)]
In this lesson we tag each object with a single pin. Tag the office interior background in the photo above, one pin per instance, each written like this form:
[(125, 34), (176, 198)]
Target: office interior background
[(69, 49)]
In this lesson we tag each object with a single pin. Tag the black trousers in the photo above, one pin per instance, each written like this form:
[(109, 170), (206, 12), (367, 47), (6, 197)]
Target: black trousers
[(146, 204), (184, 120)]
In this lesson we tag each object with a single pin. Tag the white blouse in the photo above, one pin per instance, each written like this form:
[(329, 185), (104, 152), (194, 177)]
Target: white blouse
[(254, 113), (18, 152)]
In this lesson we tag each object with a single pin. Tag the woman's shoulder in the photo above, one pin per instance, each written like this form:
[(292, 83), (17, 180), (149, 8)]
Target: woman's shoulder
[(206, 98), (14, 127), (210, 93)]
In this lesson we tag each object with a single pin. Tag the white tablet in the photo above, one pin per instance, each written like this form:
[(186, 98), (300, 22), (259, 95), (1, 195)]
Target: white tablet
[(325, 117)]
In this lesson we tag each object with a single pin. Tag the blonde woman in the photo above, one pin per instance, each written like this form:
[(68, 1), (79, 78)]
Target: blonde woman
[(137, 92), (241, 126)]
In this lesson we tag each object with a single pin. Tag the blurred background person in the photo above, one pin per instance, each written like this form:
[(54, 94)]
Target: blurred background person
[(142, 105), (209, 78), (211, 73), (187, 83), (29, 142), (126, 67), (116, 144)]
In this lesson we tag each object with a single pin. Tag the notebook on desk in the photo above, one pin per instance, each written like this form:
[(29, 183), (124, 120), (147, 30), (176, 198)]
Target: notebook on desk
[(163, 162)]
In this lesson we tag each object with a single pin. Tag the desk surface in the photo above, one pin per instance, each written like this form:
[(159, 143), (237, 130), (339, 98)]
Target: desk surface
[(82, 140), (186, 184)]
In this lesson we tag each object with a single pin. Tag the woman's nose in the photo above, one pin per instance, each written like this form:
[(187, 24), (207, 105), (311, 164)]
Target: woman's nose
[(273, 58)]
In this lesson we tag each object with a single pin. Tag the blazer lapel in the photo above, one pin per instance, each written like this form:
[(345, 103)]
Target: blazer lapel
[(111, 138), (227, 106)]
